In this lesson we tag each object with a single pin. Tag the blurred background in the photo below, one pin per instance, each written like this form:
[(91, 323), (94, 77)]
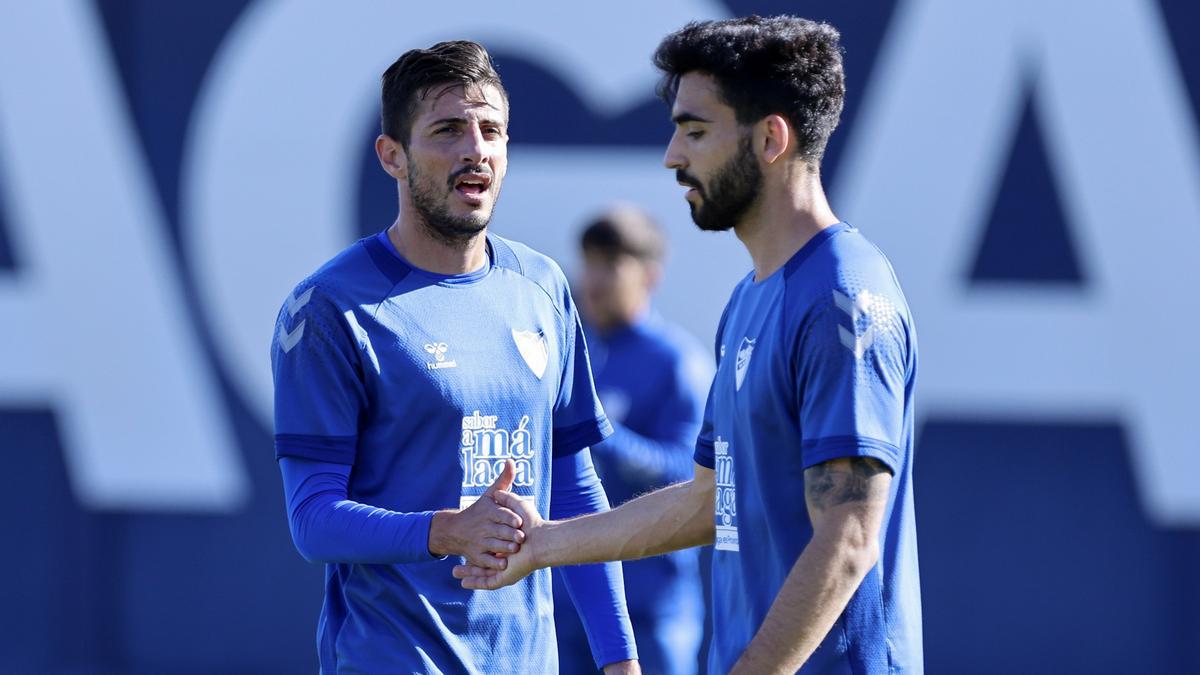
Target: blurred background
[(168, 171)]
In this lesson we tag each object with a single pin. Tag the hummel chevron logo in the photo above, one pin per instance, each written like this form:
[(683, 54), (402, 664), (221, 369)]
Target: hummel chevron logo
[(287, 340), (295, 304), (858, 307)]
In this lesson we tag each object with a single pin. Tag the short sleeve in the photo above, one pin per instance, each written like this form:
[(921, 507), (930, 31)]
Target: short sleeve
[(319, 391), (579, 420), (704, 454), (852, 375)]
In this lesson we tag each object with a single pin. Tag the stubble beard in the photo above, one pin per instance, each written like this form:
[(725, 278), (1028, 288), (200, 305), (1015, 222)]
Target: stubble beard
[(732, 192), (434, 210)]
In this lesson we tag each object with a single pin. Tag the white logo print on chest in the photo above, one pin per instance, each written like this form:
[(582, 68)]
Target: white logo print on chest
[(438, 351), (745, 351), (532, 347)]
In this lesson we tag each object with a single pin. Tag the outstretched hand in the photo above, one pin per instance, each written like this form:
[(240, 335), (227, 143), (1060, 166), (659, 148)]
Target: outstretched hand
[(520, 564), (484, 532)]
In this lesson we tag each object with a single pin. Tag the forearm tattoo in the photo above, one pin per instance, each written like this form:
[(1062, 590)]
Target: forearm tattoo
[(844, 480)]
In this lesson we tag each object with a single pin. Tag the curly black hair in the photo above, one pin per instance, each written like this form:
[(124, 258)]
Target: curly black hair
[(418, 71), (764, 65)]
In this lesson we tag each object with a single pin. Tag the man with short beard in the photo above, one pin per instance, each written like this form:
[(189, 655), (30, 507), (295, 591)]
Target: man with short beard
[(803, 467), (417, 373)]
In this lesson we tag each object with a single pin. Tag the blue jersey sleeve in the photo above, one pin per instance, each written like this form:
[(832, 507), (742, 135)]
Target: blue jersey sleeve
[(704, 454), (579, 421), (328, 527), (852, 364), (597, 590), (319, 391)]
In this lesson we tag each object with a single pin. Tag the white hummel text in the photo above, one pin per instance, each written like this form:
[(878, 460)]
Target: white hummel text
[(438, 350)]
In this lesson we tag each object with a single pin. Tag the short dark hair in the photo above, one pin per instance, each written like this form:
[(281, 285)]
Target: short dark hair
[(413, 75), (774, 65), (625, 229)]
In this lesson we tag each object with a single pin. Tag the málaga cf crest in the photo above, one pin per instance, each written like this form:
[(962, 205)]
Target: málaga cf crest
[(533, 349), (743, 360)]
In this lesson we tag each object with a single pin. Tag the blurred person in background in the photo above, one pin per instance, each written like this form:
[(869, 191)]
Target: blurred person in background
[(803, 466), (652, 376), (417, 373)]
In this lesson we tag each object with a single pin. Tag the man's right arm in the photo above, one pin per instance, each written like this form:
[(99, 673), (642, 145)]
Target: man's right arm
[(675, 517)]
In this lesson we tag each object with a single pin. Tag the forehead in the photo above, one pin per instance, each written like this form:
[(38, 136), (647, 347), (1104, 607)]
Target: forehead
[(484, 102), (699, 94)]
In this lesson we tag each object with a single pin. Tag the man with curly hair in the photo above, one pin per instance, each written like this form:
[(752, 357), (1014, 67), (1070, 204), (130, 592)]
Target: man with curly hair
[(803, 466)]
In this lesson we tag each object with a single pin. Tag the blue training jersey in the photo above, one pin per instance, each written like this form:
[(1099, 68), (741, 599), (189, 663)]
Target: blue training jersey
[(815, 362), (425, 384)]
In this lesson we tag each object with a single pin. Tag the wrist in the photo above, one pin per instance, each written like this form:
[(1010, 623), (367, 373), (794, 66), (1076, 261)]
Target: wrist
[(629, 667), (544, 548), (440, 540)]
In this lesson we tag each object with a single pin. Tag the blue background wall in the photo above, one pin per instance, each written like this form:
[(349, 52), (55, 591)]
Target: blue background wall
[(1036, 552)]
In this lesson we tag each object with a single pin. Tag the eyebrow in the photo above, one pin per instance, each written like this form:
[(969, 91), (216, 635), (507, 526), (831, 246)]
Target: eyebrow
[(463, 120), (684, 117)]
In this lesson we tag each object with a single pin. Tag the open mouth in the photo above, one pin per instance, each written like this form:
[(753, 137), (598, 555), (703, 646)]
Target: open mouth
[(692, 189), (472, 186)]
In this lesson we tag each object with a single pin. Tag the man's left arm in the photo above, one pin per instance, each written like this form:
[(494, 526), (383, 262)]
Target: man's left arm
[(846, 499), (596, 589)]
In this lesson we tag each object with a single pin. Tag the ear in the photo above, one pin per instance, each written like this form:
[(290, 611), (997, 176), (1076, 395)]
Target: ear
[(654, 274), (776, 137), (392, 157)]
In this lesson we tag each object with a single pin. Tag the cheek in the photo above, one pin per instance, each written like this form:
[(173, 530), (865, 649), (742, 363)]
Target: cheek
[(500, 164)]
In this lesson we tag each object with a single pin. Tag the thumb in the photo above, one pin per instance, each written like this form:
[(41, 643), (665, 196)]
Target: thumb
[(505, 480)]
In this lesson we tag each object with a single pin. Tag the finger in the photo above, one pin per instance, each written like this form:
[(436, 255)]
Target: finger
[(482, 582), (478, 584), (488, 561), (468, 570), (506, 517), (518, 505), (500, 547), (505, 533), (505, 480)]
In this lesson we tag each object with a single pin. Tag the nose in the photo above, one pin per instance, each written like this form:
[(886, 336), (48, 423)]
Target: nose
[(475, 149), (673, 159)]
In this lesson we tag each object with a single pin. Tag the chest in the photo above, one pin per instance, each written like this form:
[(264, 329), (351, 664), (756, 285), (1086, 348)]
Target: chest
[(754, 374), (436, 350)]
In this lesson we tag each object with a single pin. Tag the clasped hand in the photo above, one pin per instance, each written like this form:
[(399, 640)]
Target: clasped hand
[(488, 531), (492, 534)]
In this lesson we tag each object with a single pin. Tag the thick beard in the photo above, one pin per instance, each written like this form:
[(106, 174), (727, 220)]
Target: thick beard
[(733, 190), (436, 219)]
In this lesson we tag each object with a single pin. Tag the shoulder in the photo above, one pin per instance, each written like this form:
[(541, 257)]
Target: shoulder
[(348, 279), (537, 268), (846, 273)]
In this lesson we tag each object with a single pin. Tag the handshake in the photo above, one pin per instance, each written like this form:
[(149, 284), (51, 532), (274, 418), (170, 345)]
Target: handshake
[(497, 535)]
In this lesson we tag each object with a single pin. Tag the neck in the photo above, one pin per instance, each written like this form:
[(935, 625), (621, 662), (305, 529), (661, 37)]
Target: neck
[(432, 254), (615, 322), (784, 220)]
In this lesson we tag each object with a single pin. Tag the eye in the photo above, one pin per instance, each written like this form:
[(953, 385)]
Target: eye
[(444, 130), (695, 135)]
